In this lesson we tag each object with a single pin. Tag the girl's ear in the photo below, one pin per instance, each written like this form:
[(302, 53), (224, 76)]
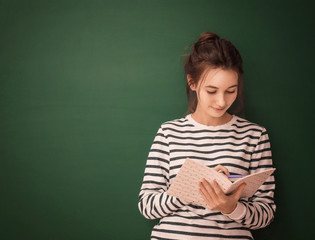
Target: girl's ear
[(190, 83)]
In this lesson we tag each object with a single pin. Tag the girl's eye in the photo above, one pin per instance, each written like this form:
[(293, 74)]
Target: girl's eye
[(231, 91), (211, 92)]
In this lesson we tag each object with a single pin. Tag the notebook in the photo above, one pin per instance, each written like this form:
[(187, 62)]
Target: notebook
[(185, 185)]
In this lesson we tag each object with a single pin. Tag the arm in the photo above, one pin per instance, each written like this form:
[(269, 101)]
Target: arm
[(256, 212), (260, 209), (153, 200)]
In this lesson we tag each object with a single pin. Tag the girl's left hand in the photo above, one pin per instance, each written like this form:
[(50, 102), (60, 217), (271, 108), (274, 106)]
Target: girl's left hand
[(216, 199)]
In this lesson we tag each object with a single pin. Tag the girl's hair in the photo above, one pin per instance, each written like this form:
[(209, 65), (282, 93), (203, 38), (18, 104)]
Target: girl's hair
[(211, 52)]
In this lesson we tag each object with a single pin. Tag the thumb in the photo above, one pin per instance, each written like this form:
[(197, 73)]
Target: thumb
[(239, 191)]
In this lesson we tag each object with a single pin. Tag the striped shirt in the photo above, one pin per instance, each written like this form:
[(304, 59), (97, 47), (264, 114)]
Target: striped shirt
[(239, 145)]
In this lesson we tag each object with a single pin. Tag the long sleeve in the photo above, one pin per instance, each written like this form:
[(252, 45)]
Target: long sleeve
[(153, 200), (259, 210)]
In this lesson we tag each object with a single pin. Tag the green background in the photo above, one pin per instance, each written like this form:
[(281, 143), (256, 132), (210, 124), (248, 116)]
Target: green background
[(84, 86)]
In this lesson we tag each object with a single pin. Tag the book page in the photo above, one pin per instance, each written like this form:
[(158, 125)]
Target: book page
[(185, 185), (253, 182)]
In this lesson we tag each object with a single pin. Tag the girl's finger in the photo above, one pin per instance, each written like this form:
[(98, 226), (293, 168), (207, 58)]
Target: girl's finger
[(239, 191), (218, 189), (209, 189), (220, 167), (205, 195)]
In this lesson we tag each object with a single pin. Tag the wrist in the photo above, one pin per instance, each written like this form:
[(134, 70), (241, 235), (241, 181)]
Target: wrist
[(238, 213), (229, 210)]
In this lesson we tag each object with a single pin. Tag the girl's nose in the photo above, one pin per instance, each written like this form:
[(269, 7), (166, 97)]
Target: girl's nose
[(220, 101)]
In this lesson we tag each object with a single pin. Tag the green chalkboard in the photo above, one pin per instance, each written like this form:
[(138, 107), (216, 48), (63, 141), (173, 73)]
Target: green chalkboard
[(84, 86)]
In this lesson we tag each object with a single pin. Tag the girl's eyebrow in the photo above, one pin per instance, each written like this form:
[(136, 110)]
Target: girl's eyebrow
[(210, 86)]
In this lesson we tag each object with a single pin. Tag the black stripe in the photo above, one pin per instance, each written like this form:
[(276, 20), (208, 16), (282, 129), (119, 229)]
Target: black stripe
[(172, 201), (161, 143), (140, 204), (261, 158), (264, 133), (154, 182), (212, 138), (152, 189), (146, 203), (269, 183), (196, 207), (200, 226), (203, 216), (158, 159), (180, 201), (212, 131), (156, 175), (178, 125), (213, 144), (266, 191), (181, 120), (161, 205), (245, 126), (160, 135), (251, 214), (195, 217), (152, 205), (157, 212), (156, 167), (160, 238), (262, 150), (166, 203), (210, 152), (263, 142), (159, 151), (202, 234), (261, 166), (247, 123), (263, 197), (242, 121), (208, 159)]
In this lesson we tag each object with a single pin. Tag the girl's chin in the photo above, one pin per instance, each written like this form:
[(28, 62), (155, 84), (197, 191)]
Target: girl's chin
[(217, 112)]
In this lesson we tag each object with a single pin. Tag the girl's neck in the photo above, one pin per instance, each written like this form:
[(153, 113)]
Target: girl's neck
[(211, 121)]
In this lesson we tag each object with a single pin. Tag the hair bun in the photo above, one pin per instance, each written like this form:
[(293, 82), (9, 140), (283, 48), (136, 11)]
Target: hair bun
[(207, 36)]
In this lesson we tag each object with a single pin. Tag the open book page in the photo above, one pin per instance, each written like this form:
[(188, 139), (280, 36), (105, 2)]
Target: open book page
[(253, 182), (185, 185)]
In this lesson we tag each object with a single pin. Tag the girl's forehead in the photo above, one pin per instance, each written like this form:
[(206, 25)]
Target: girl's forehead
[(219, 78)]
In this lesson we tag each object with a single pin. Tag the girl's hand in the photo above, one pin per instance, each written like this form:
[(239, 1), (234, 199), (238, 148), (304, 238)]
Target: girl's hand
[(221, 168), (216, 199)]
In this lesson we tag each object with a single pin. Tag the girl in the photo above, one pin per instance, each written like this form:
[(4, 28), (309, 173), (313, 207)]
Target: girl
[(213, 135)]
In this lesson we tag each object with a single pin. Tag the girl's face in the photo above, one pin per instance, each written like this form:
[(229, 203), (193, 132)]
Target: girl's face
[(215, 93)]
